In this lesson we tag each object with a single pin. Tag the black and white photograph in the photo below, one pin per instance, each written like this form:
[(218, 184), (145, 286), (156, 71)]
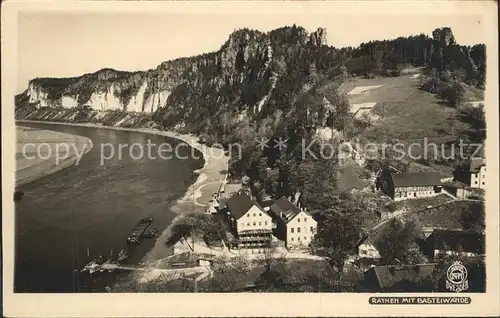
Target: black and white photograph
[(295, 150)]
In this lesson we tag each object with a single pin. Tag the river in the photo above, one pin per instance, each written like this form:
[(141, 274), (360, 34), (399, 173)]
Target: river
[(92, 207)]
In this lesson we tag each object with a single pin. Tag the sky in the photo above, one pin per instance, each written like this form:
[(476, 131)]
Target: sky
[(64, 44)]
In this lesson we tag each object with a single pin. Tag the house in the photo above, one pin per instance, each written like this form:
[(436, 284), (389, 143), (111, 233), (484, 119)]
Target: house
[(250, 225), (410, 185), (293, 225), (453, 242), (365, 254), (395, 277), (477, 171)]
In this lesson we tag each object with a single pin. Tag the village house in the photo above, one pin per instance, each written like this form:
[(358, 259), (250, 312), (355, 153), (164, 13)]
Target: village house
[(292, 224), (453, 242), (365, 255), (477, 171), (395, 277), (250, 225), (410, 185)]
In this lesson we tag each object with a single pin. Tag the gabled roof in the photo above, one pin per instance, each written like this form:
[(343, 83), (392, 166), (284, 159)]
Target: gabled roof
[(239, 204), (458, 241), (389, 275), (415, 179), (285, 207), (476, 164)]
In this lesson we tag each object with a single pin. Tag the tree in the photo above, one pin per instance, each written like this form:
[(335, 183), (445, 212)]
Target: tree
[(394, 241), (339, 232), (454, 93), (228, 274), (461, 172), (316, 175), (473, 217)]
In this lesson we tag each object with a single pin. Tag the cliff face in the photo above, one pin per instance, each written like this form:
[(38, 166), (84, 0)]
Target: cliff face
[(107, 89), (240, 78)]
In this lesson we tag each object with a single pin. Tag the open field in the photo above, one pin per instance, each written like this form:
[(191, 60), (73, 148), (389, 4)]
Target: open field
[(405, 111)]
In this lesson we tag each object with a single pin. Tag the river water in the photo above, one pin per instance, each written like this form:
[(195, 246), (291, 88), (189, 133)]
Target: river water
[(92, 207)]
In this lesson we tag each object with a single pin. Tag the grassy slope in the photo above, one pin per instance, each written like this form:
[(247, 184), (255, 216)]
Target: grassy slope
[(447, 216), (409, 112)]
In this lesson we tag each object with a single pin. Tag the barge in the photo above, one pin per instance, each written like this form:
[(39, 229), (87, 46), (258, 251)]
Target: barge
[(139, 230)]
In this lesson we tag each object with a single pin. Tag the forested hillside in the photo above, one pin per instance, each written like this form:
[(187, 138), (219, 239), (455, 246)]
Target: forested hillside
[(280, 84)]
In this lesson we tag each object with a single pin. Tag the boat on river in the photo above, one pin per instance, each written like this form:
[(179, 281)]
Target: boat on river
[(138, 231), (123, 255)]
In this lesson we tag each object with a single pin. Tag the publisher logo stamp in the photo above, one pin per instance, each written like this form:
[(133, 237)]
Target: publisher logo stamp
[(457, 277)]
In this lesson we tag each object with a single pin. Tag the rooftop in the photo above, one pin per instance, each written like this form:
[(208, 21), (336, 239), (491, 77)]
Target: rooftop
[(388, 275), (239, 204), (285, 209), (476, 164), (456, 240), (412, 179)]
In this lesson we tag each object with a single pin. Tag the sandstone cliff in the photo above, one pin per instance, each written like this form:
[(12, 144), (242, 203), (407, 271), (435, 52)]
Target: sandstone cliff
[(240, 78)]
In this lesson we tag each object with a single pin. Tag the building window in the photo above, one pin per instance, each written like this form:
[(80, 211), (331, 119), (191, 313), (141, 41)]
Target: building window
[(265, 222), (305, 219), (298, 238), (312, 230), (254, 214), (291, 239), (260, 223), (260, 214), (298, 230), (292, 230), (248, 224), (253, 223)]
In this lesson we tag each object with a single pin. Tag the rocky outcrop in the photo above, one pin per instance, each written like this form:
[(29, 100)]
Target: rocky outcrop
[(318, 38), (105, 90)]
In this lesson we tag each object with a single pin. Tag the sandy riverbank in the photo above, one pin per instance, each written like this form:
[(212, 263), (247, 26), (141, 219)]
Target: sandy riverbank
[(42, 152), (210, 178)]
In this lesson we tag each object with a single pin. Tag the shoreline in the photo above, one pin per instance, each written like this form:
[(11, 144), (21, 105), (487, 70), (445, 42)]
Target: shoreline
[(32, 172), (210, 178)]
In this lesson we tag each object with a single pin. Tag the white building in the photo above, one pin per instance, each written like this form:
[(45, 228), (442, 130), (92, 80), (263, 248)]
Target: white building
[(477, 171), (293, 225), (249, 222)]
